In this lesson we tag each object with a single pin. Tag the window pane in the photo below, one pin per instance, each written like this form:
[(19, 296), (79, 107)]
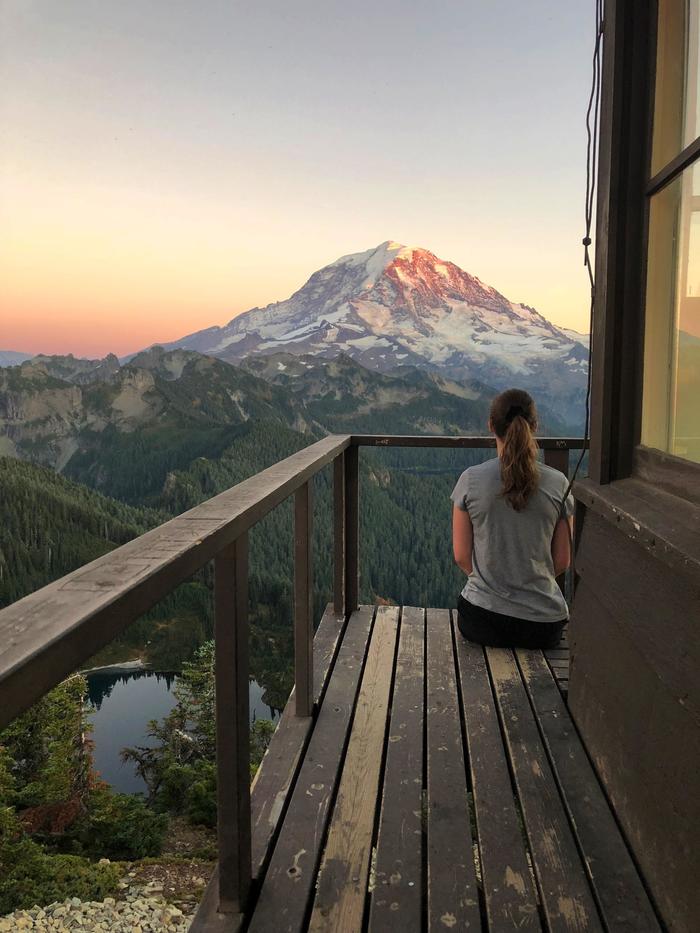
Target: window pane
[(677, 101), (671, 404)]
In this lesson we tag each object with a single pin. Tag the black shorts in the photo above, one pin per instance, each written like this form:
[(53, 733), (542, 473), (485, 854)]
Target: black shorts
[(501, 631)]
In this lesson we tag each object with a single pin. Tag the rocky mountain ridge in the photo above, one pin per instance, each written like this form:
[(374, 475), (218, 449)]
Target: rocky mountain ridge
[(395, 305)]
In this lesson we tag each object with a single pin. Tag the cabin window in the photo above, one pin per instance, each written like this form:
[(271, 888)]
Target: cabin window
[(671, 399)]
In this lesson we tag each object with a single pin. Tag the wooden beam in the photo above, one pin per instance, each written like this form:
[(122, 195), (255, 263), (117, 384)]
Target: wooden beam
[(303, 603), (567, 901), (290, 876), (398, 888), (341, 887), (275, 777), (620, 241), (232, 725), (352, 529), (480, 442), (509, 891), (557, 458), (452, 895), (53, 631), (619, 890), (339, 533)]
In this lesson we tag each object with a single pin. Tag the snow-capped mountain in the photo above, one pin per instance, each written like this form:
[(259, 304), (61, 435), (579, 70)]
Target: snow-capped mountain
[(395, 305)]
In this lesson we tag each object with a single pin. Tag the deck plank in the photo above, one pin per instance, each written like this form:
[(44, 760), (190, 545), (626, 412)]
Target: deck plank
[(288, 882), (509, 890), (398, 884), (275, 776), (453, 901), (563, 884), (620, 893), (281, 761), (341, 888)]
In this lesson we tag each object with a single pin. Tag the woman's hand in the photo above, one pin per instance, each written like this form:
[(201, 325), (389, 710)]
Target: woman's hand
[(462, 539)]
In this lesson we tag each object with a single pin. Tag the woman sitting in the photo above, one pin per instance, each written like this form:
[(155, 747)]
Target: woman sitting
[(510, 536)]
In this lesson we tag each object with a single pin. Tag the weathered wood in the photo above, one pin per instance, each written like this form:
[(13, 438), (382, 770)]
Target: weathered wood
[(341, 886), (339, 533), (657, 611), (557, 654), (279, 766), (232, 725), (620, 241), (635, 697), (303, 603), (557, 458), (289, 879), (619, 891), (398, 879), (452, 891), (671, 474), (352, 528), (208, 919), (52, 632), (509, 891), (566, 897), (276, 775), (482, 441), (666, 526)]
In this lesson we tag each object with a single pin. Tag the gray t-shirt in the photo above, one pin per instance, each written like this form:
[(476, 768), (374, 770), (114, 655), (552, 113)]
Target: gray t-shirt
[(513, 571)]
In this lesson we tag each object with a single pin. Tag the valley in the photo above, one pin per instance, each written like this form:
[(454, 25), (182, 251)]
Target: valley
[(94, 452)]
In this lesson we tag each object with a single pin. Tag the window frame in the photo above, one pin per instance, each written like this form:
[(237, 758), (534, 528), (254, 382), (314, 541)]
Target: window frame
[(666, 464), (625, 188)]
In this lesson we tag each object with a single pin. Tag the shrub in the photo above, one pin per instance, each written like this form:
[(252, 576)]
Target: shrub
[(119, 826), (201, 798), (29, 876)]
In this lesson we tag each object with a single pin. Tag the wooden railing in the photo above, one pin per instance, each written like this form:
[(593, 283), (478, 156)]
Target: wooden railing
[(50, 633)]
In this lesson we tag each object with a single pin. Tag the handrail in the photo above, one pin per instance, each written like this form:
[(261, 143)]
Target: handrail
[(49, 633)]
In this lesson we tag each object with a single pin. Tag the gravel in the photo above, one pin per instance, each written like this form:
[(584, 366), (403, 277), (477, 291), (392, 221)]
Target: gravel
[(132, 915), (138, 910)]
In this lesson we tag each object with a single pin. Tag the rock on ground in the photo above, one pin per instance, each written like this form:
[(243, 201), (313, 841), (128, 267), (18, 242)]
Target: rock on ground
[(133, 915)]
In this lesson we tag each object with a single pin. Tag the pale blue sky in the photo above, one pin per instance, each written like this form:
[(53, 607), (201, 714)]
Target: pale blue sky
[(168, 164)]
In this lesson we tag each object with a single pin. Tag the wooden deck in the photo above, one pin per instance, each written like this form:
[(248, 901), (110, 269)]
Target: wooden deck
[(439, 786)]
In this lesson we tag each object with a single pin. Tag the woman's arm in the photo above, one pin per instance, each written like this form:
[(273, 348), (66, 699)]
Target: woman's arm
[(561, 545), (462, 539)]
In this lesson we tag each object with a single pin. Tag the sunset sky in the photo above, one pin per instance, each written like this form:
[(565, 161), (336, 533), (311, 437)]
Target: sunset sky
[(165, 165)]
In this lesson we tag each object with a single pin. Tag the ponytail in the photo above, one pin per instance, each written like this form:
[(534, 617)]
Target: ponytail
[(514, 420), (518, 463)]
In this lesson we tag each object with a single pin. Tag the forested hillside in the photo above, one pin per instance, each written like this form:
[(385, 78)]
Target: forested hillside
[(173, 428), (50, 525)]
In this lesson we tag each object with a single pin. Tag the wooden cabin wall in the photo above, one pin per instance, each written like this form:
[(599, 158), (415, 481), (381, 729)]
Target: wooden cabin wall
[(635, 696)]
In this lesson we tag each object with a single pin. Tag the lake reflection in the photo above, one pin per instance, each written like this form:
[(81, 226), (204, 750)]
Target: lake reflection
[(121, 706)]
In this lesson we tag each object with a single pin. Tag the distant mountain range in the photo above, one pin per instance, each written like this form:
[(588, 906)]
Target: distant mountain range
[(13, 357), (390, 309), (123, 428), (395, 305)]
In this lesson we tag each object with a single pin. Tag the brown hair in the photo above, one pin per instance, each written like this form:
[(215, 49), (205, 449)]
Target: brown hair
[(513, 417)]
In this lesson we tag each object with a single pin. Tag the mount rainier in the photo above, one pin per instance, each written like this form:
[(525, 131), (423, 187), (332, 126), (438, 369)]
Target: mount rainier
[(396, 305)]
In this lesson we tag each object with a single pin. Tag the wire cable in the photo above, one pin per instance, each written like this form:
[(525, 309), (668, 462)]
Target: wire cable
[(592, 125)]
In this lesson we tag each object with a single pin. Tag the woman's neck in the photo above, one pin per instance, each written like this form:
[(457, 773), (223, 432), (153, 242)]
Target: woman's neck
[(499, 446)]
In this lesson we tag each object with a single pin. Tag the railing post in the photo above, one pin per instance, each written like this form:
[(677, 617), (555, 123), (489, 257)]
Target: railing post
[(303, 603), (339, 534), (558, 457), (352, 528), (232, 725)]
